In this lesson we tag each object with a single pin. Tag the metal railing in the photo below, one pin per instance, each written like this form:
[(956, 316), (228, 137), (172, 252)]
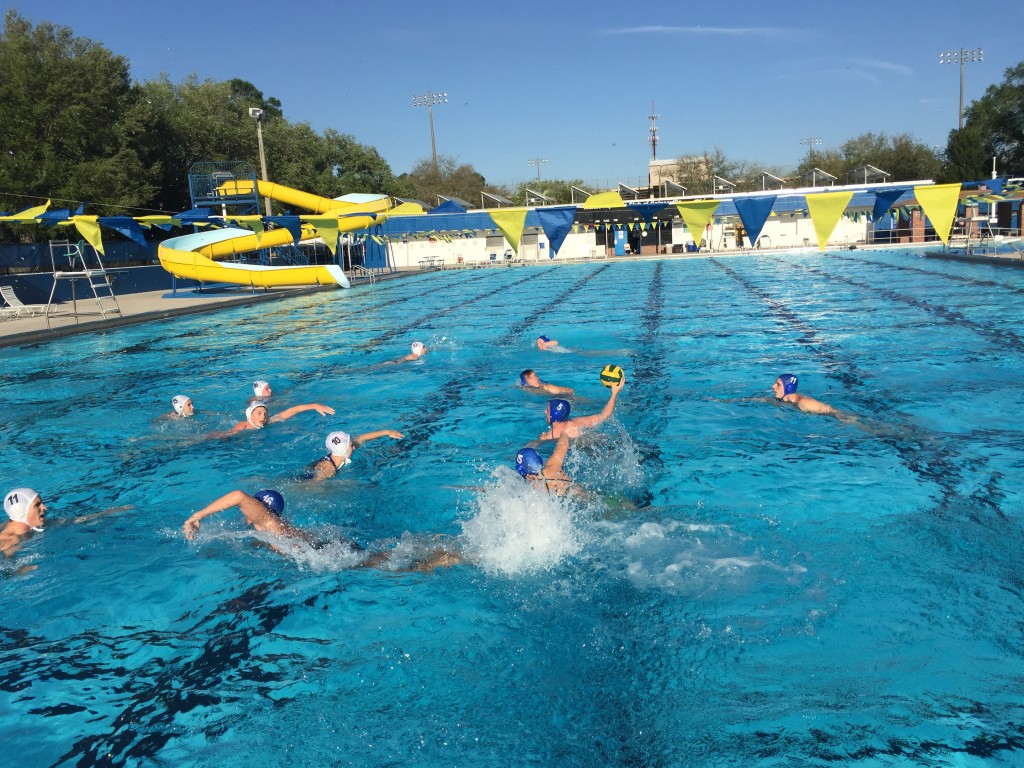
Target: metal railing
[(361, 272)]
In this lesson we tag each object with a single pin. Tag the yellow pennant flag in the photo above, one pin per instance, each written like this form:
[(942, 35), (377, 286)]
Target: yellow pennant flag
[(825, 209), (604, 200), (254, 222), (939, 203), (697, 214), (511, 222), (89, 229), (29, 214), (327, 228)]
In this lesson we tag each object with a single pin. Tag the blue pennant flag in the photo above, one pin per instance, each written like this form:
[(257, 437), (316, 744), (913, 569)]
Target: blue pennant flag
[(754, 212), (556, 223)]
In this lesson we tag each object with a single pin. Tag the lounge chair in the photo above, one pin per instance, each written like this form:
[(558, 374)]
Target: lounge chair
[(20, 308)]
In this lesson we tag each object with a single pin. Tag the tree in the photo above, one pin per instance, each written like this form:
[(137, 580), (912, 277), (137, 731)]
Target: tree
[(999, 115), (448, 179), (966, 154), (75, 128)]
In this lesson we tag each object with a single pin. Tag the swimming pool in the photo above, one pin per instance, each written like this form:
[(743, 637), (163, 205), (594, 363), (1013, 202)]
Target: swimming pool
[(748, 585)]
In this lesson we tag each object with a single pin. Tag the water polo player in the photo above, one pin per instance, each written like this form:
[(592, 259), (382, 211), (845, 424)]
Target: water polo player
[(784, 390), (557, 415), (258, 416), (340, 447), (530, 380)]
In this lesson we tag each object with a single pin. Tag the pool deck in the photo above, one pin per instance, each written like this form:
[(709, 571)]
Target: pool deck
[(135, 308)]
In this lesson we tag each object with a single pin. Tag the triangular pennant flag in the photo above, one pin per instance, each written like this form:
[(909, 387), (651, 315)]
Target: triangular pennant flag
[(826, 208), (126, 225), (884, 200), (89, 229), (556, 223), (292, 223), (327, 228), (511, 222), (939, 203), (697, 214), (604, 200), (28, 214), (753, 213)]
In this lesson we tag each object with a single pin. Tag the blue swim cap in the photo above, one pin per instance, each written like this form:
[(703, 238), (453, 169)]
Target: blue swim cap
[(522, 380), (789, 382), (529, 462), (272, 500), (545, 339), (558, 410)]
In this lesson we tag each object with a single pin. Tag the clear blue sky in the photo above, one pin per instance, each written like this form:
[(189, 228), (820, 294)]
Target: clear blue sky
[(572, 82)]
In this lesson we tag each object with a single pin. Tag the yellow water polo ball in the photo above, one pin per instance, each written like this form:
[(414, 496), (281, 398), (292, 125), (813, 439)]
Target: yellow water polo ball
[(610, 375)]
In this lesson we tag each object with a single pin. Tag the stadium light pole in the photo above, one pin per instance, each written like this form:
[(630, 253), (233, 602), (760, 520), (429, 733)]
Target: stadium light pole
[(428, 100), (811, 141), (257, 113), (538, 161), (961, 57)]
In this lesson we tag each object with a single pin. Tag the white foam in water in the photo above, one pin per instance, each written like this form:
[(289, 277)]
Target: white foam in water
[(518, 529), (691, 559)]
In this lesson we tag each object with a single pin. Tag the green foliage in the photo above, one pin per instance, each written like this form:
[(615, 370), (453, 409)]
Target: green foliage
[(967, 156), (74, 126), (903, 157), (448, 178), (999, 117)]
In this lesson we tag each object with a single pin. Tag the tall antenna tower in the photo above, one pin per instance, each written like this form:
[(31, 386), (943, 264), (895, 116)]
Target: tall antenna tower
[(654, 132)]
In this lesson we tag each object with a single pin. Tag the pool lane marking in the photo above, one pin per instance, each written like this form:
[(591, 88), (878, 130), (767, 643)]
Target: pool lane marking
[(647, 376), (1000, 336), (935, 466), (150, 719), (930, 273)]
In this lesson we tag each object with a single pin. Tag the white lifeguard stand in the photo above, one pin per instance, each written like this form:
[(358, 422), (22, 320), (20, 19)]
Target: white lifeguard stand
[(69, 262)]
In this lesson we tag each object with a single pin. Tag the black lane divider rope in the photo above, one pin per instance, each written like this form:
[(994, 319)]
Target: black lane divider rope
[(648, 365), (449, 396), (930, 463), (160, 694), (975, 281), (1000, 336)]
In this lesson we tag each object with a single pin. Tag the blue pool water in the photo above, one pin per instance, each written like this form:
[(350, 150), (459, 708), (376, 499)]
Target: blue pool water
[(745, 585)]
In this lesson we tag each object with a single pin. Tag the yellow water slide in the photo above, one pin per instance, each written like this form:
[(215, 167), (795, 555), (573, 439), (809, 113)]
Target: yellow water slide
[(193, 257)]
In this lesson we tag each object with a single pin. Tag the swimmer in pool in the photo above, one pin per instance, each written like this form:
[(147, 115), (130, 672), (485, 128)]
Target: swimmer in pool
[(557, 415), (263, 512), (784, 390), (183, 408), (260, 391), (543, 342), (26, 515), (340, 449), (257, 416), (530, 380), (417, 350), (549, 474)]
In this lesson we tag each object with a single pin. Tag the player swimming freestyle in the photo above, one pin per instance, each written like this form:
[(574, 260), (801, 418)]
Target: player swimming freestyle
[(530, 380), (784, 390), (263, 510), (549, 474), (257, 416), (340, 447)]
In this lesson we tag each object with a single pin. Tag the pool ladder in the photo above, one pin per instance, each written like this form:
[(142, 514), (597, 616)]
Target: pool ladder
[(65, 252)]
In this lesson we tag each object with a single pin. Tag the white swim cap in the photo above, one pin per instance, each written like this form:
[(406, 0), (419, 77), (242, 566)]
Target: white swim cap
[(418, 348), (259, 386), (249, 411), (338, 443), (178, 403), (17, 503)]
